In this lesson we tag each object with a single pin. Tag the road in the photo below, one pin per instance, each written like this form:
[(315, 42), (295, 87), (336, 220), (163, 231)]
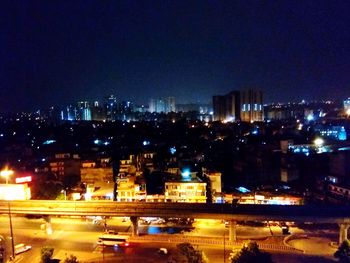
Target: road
[(78, 237)]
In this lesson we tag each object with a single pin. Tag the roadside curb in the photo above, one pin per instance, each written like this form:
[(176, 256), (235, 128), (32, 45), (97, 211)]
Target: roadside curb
[(293, 237)]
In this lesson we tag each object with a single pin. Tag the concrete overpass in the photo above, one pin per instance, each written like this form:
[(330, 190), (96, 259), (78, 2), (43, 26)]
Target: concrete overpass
[(317, 214)]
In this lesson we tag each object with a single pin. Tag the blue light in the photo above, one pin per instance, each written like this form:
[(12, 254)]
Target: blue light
[(172, 150), (186, 173), (145, 143), (49, 142), (243, 189), (310, 117), (342, 134)]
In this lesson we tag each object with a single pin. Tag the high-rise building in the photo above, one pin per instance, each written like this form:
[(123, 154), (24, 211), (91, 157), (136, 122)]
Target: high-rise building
[(227, 107), (251, 105), (98, 113), (111, 108), (243, 105), (84, 111), (70, 113), (170, 104), (162, 105)]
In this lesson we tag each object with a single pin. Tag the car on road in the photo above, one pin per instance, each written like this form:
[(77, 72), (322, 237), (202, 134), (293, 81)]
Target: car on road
[(20, 248), (285, 229), (163, 251)]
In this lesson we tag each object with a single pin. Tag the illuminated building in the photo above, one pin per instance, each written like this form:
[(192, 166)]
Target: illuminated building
[(14, 192), (98, 191), (251, 102), (270, 199), (91, 174), (162, 105), (243, 195), (245, 105), (130, 189), (126, 166), (111, 108), (187, 189), (65, 165), (83, 111), (333, 132), (70, 113)]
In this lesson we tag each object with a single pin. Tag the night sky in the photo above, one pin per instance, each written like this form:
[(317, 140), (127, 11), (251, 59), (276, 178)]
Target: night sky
[(57, 52)]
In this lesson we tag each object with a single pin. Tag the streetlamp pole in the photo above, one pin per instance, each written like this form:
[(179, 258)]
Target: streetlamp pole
[(11, 230)]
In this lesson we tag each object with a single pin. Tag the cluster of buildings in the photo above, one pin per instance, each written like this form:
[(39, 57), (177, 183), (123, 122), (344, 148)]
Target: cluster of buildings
[(114, 110), (135, 179), (242, 142)]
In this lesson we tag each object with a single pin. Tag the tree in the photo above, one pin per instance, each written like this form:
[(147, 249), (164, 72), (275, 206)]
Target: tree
[(343, 252), (71, 259), (192, 255), (46, 254), (250, 253)]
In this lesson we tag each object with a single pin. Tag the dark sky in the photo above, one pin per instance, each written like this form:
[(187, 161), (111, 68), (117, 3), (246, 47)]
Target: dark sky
[(56, 52)]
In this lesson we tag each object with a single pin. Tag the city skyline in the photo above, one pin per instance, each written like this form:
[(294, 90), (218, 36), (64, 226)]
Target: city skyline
[(55, 53)]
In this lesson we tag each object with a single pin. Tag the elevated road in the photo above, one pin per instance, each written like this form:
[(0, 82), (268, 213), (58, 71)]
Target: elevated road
[(319, 214)]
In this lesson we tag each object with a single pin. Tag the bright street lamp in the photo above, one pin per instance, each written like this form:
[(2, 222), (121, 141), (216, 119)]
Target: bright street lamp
[(319, 142), (348, 112), (6, 173)]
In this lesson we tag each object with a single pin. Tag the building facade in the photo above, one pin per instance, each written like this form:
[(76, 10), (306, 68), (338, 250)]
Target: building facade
[(245, 105), (183, 191), (251, 105)]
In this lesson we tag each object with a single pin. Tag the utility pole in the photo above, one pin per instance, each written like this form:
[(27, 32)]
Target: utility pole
[(11, 231)]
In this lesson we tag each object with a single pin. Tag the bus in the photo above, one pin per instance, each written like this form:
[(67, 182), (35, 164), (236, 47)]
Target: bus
[(121, 240)]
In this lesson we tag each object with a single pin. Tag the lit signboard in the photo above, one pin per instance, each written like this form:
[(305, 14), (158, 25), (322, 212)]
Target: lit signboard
[(25, 179)]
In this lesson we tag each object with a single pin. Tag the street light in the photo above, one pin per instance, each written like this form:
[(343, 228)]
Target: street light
[(6, 173), (318, 142)]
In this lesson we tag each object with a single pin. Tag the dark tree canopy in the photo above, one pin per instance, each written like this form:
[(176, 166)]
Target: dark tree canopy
[(343, 252), (250, 253)]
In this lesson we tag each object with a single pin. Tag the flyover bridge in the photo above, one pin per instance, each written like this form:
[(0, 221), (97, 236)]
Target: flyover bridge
[(232, 213)]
